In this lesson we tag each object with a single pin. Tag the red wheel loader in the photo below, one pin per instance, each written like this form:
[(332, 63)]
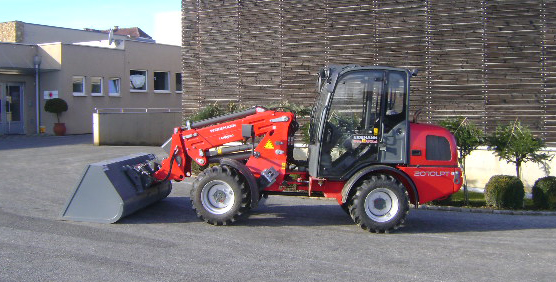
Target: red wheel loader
[(363, 151)]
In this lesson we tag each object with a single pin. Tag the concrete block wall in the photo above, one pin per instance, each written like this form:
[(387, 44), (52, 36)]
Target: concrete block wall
[(144, 129), (482, 164)]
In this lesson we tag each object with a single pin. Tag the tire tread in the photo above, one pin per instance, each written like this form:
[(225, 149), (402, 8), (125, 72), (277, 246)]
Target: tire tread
[(219, 172), (357, 201)]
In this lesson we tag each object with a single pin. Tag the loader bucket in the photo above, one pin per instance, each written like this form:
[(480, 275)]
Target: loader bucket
[(107, 191)]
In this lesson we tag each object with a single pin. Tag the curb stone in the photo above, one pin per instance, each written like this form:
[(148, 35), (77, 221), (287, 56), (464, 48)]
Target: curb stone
[(465, 209), (16, 136), (479, 210)]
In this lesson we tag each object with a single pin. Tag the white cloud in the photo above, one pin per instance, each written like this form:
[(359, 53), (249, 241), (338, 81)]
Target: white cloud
[(167, 28)]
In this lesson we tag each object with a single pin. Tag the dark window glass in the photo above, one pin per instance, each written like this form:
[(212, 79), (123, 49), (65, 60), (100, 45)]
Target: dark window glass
[(161, 81), (438, 148), (178, 83)]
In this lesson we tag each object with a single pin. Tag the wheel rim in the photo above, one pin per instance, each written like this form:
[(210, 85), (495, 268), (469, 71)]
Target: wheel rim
[(381, 205), (217, 197)]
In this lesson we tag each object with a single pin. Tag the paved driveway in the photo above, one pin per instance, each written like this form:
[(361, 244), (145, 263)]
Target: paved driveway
[(286, 239)]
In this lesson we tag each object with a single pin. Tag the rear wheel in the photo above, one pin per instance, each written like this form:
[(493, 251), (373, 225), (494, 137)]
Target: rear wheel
[(219, 196), (380, 204)]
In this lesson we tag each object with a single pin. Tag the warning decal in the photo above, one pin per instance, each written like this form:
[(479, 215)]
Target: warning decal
[(269, 145)]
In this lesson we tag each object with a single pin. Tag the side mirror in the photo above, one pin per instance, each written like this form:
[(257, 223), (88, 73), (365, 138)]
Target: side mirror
[(414, 72)]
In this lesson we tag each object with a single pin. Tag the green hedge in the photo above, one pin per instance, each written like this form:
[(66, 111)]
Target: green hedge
[(544, 193), (504, 191)]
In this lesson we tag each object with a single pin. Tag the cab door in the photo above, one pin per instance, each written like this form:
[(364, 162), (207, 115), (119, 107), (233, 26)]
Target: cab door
[(394, 137), (352, 124)]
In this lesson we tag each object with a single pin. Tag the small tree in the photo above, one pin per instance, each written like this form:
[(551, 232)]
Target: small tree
[(56, 106), (516, 144), (469, 137)]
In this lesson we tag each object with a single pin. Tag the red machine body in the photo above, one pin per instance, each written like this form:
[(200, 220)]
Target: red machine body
[(362, 151), (433, 179), (194, 144)]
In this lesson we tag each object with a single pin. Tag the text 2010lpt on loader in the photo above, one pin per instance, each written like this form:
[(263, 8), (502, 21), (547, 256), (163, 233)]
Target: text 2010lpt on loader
[(363, 151)]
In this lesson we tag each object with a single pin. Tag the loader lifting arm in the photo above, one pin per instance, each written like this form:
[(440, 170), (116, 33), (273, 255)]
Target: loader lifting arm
[(193, 142)]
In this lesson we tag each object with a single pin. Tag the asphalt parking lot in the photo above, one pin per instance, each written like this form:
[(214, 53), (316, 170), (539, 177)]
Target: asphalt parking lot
[(285, 239)]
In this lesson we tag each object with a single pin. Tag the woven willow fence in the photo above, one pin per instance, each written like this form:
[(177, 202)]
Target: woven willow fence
[(492, 61)]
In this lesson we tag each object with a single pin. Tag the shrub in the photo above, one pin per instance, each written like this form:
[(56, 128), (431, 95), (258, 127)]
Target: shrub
[(56, 106), (504, 191), (544, 193), (207, 112)]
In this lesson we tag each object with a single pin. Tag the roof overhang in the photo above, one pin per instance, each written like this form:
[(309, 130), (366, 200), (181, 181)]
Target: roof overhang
[(23, 71)]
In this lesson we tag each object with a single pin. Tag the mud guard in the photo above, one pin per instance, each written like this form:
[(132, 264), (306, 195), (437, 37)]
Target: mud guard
[(378, 168), (248, 177)]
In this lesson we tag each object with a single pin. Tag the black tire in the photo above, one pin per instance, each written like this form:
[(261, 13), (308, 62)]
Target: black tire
[(219, 196), (380, 204)]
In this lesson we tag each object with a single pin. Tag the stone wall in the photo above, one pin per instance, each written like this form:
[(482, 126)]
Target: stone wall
[(11, 32)]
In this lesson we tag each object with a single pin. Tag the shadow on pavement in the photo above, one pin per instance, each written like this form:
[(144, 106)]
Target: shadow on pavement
[(427, 221), (94, 232), (178, 210), (169, 210), (10, 142)]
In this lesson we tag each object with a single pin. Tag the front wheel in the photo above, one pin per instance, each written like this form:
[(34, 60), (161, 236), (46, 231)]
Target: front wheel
[(380, 204), (219, 195)]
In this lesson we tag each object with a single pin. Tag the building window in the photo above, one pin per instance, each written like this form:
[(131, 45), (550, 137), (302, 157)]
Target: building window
[(138, 80), (96, 86), (178, 83), (114, 87), (78, 86), (161, 81)]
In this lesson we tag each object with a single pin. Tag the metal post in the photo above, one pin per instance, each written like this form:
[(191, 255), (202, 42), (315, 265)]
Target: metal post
[(37, 62)]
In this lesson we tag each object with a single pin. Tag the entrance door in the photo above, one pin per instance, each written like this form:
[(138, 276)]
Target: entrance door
[(11, 108)]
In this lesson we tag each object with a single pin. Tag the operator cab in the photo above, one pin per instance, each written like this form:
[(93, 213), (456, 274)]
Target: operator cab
[(360, 118)]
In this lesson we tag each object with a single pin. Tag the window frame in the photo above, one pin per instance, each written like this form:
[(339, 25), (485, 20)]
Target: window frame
[(73, 79), (119, 86), (101, 93), (146, 84), (166, 83)]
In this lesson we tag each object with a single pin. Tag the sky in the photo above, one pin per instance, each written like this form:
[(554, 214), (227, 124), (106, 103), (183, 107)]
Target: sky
[(158, 18)]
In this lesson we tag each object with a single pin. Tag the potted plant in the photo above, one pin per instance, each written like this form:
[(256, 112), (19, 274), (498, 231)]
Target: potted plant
[(57, 106)]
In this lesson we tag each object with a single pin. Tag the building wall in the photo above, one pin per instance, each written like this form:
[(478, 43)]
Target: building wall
[(27, 33), (489, 60), (76, 60), (17, 57)]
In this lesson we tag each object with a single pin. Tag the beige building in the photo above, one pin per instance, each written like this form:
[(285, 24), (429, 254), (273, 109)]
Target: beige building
[(86, 70)]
